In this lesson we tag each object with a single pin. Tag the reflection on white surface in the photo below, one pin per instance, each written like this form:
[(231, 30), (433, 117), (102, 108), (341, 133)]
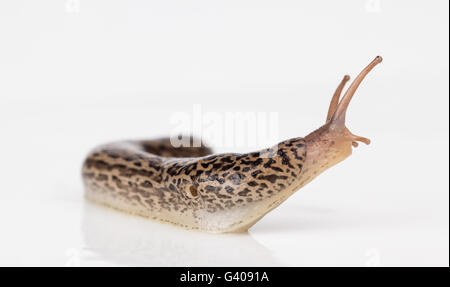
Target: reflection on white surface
[(112, 237)]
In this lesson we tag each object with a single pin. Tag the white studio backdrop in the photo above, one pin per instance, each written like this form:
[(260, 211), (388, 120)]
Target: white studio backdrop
[(77, 73)]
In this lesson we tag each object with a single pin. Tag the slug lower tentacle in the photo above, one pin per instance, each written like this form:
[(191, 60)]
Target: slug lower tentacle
[(195, 189)]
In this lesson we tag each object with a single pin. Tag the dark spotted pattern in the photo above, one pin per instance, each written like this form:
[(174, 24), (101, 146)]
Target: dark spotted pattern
[(166, 183)]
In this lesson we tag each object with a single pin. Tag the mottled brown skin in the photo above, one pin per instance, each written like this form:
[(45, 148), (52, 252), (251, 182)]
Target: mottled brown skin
[(192, 188)]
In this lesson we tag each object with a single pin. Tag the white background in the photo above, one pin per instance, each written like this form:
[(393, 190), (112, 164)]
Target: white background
[(75, 74)]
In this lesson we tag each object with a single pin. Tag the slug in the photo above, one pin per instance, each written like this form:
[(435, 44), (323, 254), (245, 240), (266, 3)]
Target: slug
[(219, 193)]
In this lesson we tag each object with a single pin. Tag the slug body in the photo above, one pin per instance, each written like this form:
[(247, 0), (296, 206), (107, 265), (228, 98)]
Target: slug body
[(195, 189)]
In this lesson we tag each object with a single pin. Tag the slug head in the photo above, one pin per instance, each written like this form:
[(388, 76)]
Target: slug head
[(332, 143)]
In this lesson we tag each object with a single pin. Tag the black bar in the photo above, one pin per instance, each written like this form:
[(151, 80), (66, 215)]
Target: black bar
[(234, 276)]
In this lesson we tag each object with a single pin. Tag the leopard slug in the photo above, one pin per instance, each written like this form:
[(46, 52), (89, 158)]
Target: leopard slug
[(192, 188)]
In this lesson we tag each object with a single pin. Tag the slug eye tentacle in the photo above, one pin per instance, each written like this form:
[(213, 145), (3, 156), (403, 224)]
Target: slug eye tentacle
[(335, 100), (339, 115), (337, 111)]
